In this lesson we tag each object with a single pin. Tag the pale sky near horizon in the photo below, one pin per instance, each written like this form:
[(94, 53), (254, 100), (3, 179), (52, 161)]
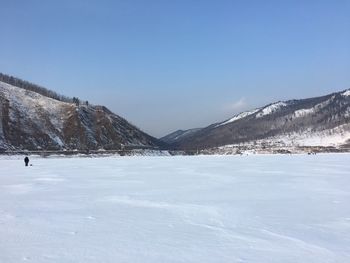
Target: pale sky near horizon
[(167, 65)]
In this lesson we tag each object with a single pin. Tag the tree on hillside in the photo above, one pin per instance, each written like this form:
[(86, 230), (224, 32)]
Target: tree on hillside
[(76, 101), (33, 87)]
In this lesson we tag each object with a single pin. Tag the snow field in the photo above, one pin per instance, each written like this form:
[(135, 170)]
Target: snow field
[(258, 208)]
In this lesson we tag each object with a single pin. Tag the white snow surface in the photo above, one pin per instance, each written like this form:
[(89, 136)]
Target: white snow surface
[(258, 208), (238, 117), (303, 112), (346, 93), (271, 108)]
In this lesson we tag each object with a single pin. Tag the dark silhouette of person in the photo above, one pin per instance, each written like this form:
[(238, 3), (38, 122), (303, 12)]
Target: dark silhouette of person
[(26, 160)]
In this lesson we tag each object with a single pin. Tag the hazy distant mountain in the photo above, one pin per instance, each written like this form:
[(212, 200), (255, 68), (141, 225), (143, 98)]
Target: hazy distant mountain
[(321, 121), (178, 135), (34, 121)]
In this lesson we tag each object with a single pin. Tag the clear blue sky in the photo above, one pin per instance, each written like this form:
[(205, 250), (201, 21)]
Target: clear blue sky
[(166, 65)]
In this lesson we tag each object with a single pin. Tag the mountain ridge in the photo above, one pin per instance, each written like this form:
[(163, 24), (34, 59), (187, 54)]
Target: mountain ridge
[(32, 121), (35, 118), (306, 117)]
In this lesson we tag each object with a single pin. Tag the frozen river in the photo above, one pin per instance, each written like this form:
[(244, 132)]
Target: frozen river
[(263, 209)]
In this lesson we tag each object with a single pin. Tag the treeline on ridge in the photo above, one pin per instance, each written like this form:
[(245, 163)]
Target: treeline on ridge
[(36, 88)]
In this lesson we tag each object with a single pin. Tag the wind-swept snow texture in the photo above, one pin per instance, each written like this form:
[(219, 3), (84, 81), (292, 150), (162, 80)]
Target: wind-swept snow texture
[(263, 209)]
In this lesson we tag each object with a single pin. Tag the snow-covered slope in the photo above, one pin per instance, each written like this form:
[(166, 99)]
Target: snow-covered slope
[(33, 121), (321, 121), (346, 93), (270, 109), (238, 117), (33, 112)]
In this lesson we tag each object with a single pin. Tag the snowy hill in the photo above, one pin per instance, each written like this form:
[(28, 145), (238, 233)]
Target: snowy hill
[(33, 121), (321, 121)]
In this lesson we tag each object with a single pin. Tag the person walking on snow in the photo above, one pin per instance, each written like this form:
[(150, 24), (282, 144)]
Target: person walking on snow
[(26, 160)]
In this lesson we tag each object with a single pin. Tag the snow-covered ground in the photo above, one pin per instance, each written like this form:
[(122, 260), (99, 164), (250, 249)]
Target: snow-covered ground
[(258, 208)]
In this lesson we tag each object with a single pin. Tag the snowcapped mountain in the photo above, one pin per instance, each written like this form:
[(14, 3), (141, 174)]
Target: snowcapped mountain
[(322, 121), (32, 121)]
